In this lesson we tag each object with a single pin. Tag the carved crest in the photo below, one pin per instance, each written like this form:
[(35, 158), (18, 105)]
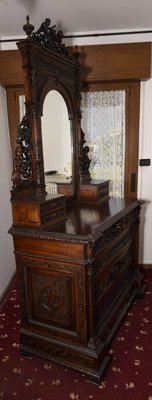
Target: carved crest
[(47, 36)]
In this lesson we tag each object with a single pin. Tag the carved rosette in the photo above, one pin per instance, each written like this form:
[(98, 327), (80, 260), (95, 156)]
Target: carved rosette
[(51, 298), (22, 174)]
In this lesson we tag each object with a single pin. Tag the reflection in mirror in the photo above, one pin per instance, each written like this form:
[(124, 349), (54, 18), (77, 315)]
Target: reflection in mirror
[(57, 148)]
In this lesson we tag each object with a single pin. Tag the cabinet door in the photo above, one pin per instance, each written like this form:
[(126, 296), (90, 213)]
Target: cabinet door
[(53, 299)]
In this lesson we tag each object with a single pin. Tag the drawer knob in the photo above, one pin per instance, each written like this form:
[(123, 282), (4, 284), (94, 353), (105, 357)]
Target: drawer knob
[(53, 215)]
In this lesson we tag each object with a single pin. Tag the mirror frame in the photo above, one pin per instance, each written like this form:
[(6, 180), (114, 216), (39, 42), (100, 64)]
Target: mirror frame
[(47, 65)]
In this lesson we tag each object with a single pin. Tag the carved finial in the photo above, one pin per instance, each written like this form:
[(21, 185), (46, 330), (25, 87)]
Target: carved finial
[(28, 28)]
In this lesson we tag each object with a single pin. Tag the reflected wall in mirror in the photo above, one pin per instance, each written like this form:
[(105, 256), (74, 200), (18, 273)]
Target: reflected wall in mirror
[(57, 144)]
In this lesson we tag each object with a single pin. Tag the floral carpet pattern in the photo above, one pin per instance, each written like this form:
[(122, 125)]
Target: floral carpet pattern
[(128, 378)]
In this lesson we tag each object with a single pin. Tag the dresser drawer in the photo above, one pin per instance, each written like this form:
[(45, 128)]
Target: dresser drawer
[(35, 213)]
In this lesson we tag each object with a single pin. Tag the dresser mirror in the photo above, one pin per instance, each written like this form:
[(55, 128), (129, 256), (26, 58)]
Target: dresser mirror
[(57, 142), (50, 72)]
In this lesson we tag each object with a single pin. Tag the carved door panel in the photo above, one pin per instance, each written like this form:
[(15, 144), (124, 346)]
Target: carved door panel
[(54, 297)]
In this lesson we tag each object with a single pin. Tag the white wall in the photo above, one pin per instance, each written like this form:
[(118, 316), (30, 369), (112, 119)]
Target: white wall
[(7, 261), (145, 173)]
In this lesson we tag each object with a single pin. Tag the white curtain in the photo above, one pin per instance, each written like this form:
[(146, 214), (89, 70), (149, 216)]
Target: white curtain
[(21, 106), (103, 122)]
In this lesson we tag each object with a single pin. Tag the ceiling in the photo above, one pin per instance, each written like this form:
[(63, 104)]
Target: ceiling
[(73, 16)]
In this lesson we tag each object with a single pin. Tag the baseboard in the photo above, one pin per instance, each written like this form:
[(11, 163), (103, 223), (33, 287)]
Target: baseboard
[(2, 297), (145, 266)]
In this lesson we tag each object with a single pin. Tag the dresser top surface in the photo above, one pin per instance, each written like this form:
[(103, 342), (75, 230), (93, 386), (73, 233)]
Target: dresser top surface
[(87, 219), (83, 222)]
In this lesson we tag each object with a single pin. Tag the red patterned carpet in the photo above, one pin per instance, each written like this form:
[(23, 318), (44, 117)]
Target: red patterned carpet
[(128, 378)]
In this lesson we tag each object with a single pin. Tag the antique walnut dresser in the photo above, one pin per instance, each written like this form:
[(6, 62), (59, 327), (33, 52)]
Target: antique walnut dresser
[(76, 251)]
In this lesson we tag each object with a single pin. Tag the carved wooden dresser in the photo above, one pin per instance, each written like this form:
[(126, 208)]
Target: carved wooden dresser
[(76, 255)]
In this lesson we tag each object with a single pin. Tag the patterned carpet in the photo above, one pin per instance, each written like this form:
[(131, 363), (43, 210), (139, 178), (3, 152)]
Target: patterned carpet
[(128, 378)]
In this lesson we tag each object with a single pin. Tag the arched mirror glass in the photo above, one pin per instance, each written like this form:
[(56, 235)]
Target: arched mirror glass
[(57, 144)]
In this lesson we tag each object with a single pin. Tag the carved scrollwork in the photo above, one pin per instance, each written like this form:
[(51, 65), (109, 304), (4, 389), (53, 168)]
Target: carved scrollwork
[(96, 246), (84, 161), (51, 297), (121, 226), (22, 174)]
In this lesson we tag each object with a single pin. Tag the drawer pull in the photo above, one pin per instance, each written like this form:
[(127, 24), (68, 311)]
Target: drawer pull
[(47, 264)]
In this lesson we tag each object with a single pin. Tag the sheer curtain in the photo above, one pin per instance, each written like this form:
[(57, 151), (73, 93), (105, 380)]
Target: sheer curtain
[(103, 121), (21, 100)]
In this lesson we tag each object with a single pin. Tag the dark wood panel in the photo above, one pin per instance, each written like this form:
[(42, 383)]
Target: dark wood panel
[(132, 139), (104, 62), (12, 94), (11, 72), (54, 297), (116, 62), (59, 249)]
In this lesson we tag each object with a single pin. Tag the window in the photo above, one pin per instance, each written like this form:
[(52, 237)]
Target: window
[(103, 121), (110, 119)]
